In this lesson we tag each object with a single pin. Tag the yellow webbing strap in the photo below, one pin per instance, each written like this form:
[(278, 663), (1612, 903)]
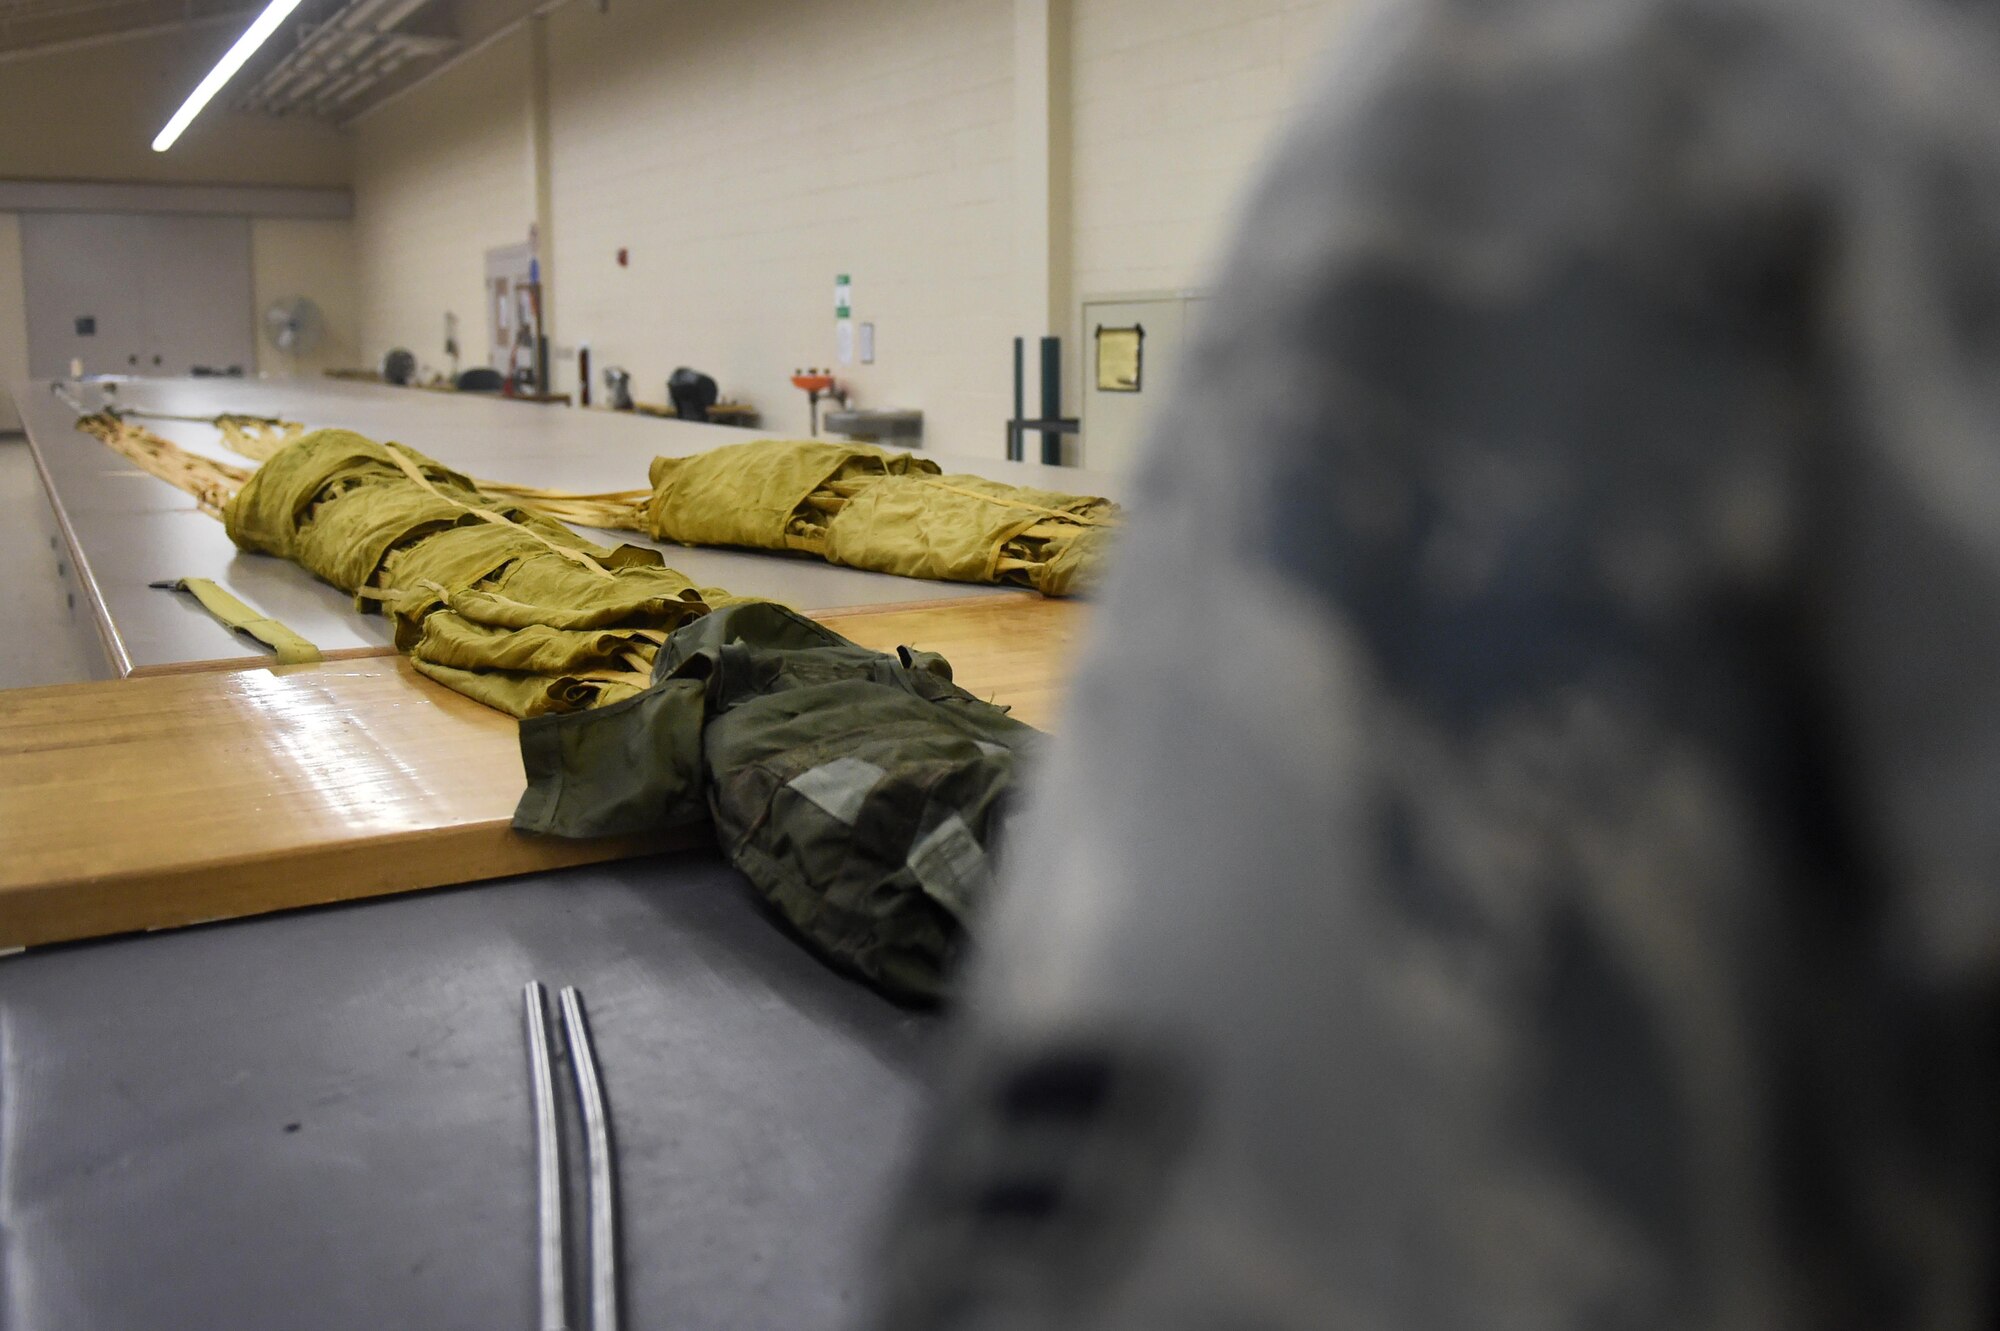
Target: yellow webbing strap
[(1004, 501), (290, 647)]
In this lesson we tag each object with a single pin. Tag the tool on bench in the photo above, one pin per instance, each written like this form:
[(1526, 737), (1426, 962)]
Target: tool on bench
[(617, 388), (692, 393)]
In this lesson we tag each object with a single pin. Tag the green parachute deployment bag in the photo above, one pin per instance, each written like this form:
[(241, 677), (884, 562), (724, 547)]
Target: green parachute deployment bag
[(861, 793)]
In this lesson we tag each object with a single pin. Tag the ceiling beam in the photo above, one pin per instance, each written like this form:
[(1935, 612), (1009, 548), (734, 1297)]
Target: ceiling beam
[(12, 55)]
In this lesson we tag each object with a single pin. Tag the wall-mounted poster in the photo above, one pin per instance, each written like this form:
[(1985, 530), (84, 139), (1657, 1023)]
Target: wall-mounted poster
[(1121, 354)]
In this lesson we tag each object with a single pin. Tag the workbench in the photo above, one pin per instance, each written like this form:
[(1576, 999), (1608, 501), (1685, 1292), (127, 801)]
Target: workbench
[(322, 1118)]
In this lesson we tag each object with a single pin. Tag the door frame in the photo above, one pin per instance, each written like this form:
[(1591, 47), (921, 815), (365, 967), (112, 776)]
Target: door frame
[(1084, 371), (506, 268)]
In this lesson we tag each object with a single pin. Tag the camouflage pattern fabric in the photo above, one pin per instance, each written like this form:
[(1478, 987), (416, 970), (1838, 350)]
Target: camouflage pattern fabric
[(858, 792), (1523, 852)]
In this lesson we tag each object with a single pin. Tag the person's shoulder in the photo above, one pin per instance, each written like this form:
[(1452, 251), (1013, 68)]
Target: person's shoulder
[(1794, 29), (1885, 73), (1489, 38)]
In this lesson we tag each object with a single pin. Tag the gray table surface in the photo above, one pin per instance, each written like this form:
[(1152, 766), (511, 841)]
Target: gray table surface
[(126, 529), (322, 1119)]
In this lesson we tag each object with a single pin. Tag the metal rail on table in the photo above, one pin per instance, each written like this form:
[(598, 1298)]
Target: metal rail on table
[(548, 1158), (597, 1144)]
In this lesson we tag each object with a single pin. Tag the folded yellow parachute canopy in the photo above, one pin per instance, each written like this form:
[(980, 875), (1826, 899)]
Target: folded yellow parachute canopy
[(495, 598), (861, 506), (501, 604), (850, 504), (890, 512)]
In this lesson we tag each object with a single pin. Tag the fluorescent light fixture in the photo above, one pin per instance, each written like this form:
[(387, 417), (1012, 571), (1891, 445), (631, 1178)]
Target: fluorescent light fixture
[(225, 69)]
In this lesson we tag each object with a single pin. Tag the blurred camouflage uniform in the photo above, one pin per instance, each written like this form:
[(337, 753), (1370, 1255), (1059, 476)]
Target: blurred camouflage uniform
[(1525, 849)]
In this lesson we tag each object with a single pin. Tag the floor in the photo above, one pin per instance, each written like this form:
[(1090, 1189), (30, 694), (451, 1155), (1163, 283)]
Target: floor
[(39, 645)]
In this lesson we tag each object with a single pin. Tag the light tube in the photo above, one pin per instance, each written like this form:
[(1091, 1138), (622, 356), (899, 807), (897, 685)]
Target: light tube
[(225, 69)]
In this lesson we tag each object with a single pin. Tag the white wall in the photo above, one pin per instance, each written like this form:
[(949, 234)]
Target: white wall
[(440, 178), (13, 318), (749, 151), (745, 152), (1175, 103), (312, 258), (91, 115)]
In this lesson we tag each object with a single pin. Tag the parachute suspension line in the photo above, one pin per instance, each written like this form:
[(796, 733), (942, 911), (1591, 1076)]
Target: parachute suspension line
[(416, 474), (260, 438), (212, 484), (257, 437), (1081, 519), (616, 510)]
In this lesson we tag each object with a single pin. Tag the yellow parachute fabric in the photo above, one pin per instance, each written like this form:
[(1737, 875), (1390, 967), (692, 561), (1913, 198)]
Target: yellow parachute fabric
[(868, 508), (499, 603), (768, 495)]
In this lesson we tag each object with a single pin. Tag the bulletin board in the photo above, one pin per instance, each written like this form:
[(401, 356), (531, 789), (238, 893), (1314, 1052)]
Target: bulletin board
[(1121, 359)]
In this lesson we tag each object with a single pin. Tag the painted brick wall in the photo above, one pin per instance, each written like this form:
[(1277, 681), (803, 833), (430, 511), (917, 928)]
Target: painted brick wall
[(440, 177), (748, 151), (288, 257), (1175, 103), (745, 152), (92, 114), (306, 257)]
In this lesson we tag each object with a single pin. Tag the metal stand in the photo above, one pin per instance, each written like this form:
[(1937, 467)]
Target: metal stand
[(1053, 425)]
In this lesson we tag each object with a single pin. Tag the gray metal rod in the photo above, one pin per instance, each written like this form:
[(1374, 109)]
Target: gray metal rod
[(548, 1156), (597, 1140)]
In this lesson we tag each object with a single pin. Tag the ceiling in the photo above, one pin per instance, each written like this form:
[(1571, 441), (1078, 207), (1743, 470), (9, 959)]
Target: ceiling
[(332, 59), (31, 26)]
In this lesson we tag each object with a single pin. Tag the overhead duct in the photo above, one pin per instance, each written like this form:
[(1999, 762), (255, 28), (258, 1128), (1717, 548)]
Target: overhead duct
[(476, 36), (343, 56)]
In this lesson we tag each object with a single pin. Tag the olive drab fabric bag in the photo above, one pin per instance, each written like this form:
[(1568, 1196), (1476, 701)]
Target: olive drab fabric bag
[(861, 793)]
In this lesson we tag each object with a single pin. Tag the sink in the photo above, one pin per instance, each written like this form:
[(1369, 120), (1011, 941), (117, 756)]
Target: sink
[(888, 426)]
